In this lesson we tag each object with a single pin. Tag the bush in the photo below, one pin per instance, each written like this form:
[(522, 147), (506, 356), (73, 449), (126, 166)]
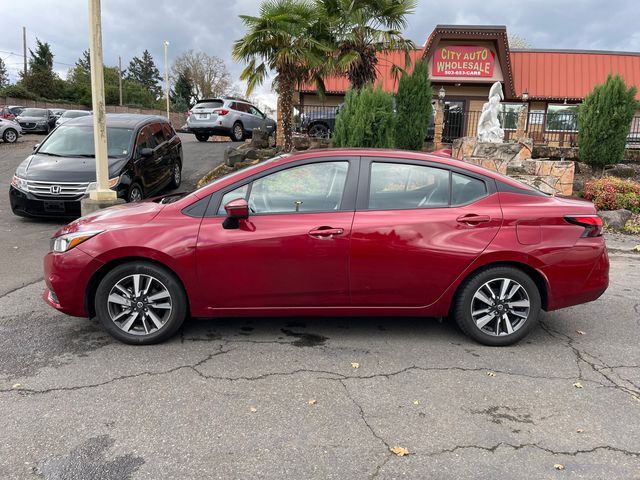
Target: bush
[(610, 193), (18, 91), (414, 109), (604, 120), (366, 120)]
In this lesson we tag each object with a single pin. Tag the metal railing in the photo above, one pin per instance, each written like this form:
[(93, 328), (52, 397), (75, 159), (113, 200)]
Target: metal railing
[(315, 120)]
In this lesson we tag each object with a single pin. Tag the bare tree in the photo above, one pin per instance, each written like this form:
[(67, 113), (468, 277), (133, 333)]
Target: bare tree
[(516, 41), (208, 73)]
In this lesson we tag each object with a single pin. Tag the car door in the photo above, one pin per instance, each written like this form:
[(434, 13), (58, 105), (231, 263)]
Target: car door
[(146, 168), (249, 121), (293, 250), (416, 228), (162, 155)]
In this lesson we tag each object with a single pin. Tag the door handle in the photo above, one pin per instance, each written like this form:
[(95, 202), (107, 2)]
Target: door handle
[(472, 219), (323, 232)]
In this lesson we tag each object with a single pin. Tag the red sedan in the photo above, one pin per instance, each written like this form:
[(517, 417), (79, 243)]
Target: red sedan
[(334, 232)]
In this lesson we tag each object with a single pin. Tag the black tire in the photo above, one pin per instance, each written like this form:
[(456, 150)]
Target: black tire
[(492, 280), (201, 137), (318, 130), (10, 135), (134, 190), (237, 132), (175, 316), (176, 175)]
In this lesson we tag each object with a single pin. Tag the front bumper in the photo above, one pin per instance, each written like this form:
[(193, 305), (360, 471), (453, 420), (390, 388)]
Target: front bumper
[(34, 129), (67, 276), (28, 205)]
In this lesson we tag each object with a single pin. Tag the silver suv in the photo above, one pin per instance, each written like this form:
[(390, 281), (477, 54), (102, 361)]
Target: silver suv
[(232, 117)]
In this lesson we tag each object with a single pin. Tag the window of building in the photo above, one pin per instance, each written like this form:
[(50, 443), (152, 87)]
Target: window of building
[(401, 186), (562, 118), (510, 112)]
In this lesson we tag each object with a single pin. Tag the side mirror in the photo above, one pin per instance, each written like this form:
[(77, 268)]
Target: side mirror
[(237, 209), (146, 152)]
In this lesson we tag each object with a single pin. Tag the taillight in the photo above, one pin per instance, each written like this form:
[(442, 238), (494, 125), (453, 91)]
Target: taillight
[(592, 224), (221, 111)]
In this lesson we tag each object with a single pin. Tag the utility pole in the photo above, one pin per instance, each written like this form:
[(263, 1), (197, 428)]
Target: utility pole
[(120, 77), (102, 196), (24, 48), (166, 76)]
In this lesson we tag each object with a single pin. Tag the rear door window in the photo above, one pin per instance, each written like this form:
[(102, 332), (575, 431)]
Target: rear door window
[(396, 186), (466, 189)]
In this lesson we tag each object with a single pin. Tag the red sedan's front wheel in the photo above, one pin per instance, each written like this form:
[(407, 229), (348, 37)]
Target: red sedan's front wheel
[(140, 303), (497, 306)]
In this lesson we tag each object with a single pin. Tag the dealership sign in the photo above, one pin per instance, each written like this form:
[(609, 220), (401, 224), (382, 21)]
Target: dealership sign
[(463, 61)]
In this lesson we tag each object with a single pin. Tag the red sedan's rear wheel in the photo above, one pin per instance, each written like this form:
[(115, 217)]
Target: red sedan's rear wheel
[(497, 306), (140, 303)]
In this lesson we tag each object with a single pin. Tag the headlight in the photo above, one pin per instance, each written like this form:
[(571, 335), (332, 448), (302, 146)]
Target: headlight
[(113, 182), (66, 242), (19, 183)]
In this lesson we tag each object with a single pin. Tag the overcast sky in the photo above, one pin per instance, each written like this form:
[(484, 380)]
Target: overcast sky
[(130, 26)]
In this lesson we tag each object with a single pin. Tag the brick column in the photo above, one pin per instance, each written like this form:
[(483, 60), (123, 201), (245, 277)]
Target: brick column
[(522, 121), (438, 126)]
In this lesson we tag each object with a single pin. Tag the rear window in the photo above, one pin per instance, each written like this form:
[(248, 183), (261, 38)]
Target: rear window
[(209, 104)]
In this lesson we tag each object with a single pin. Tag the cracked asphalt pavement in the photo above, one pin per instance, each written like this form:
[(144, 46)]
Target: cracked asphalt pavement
[(233, 398)]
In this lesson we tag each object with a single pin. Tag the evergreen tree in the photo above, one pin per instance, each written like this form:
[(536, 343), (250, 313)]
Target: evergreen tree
[(366, 120), (182, 92), (4, 75), (604, 121), (144, 71), (413, 107), (40, 78)]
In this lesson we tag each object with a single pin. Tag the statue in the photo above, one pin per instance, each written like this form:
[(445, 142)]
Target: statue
[(489, 129)]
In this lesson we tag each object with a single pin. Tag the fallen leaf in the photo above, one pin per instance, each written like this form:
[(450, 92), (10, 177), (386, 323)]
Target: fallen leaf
[(416, 402), (355, 365), (399, 451), (636, 248), (16, 386), (491, 374), (577, 385), (558, 466), (579, 332), (579, 430), (312, 402), (253, 409)]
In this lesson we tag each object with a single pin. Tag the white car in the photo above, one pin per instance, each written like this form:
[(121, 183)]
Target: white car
[(69, 114), (9, 130)]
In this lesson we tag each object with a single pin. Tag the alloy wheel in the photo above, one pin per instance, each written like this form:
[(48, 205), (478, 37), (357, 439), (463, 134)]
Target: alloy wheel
[(176, 174), (135, 195), (237, 132), (139, 304), (10, 136), (500, 307)]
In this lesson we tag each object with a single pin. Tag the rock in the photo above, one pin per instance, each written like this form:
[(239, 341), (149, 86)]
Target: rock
[(265, 153), (244, 164), (621, 171), (318, 142), (233, 156), (615, 219), (251, 154), (301, 143), (259, 138)]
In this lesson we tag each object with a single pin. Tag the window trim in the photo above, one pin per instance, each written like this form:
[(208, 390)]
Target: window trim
[(347, 204), (364, 182)]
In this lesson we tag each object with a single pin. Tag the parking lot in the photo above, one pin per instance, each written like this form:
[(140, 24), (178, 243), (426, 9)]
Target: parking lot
[(306, 398)]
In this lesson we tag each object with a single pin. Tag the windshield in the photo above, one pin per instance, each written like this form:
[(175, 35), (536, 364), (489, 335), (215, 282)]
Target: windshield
[(33, 112), (77, 141), (69, 114)]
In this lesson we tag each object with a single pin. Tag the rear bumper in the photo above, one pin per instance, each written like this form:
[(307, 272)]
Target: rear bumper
[(585, 284), (67, 276), (217, 130)]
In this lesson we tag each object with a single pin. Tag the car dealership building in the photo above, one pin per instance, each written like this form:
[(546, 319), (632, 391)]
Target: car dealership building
[(465, 60)]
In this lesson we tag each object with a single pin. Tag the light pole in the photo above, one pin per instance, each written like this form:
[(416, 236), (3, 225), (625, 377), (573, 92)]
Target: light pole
[(102, 191), (166, 75)]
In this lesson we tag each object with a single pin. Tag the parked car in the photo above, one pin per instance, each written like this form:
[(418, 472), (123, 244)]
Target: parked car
[(6, 113), (334, 232), (319, 121), (145, 156), (232, 117), (10, 131), (36, 120), (69, 114), (57, 112)]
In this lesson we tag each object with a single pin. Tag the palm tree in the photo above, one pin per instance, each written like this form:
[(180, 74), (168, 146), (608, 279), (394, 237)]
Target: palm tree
[(361, 29), (288, 38)]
